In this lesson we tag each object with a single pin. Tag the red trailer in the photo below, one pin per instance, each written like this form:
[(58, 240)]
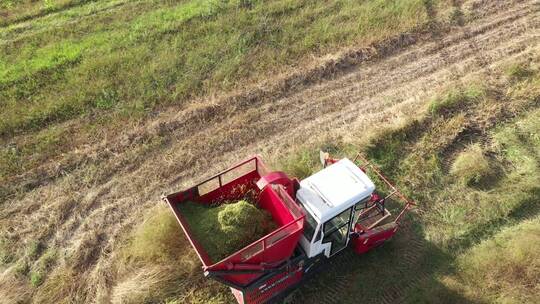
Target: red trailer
[(315, 218)]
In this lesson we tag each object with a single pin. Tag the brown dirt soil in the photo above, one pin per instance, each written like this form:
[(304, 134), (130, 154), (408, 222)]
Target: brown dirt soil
[(83, 203)]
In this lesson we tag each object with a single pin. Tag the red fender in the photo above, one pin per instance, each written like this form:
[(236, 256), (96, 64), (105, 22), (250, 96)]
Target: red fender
[(372, 238)]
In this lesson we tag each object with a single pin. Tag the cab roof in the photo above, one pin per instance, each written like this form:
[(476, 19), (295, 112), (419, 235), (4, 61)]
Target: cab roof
[(334, 189)]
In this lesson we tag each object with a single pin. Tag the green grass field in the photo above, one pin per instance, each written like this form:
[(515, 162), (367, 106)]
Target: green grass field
[(126, 57), (76, 72), (69, 68)]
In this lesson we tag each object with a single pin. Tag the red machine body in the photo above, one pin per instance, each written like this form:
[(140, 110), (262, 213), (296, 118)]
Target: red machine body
[(270, 289), (271, 266), (246, 265)]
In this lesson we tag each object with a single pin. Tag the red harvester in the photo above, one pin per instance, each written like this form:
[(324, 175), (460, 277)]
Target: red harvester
[(316, 218)]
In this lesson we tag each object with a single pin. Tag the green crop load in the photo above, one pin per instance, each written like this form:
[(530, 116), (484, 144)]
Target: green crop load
[(224, 229)]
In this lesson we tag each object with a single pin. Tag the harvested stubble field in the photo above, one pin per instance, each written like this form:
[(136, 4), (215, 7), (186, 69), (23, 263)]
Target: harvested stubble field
[(105, 105)]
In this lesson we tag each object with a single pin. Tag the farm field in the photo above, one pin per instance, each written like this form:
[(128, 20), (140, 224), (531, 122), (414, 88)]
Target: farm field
[(106, 105)]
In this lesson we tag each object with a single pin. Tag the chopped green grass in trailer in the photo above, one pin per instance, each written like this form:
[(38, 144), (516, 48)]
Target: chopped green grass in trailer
[(227, 228)]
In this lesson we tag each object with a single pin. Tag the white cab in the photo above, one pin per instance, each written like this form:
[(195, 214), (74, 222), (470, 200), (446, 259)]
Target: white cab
[(327, 194)]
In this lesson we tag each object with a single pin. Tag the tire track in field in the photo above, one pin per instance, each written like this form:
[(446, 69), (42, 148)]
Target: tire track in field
[(342, 270), (412, 254)]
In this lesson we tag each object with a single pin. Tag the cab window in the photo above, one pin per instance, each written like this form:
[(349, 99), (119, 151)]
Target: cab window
[(336, 231), (337, 222), (310, 225)]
